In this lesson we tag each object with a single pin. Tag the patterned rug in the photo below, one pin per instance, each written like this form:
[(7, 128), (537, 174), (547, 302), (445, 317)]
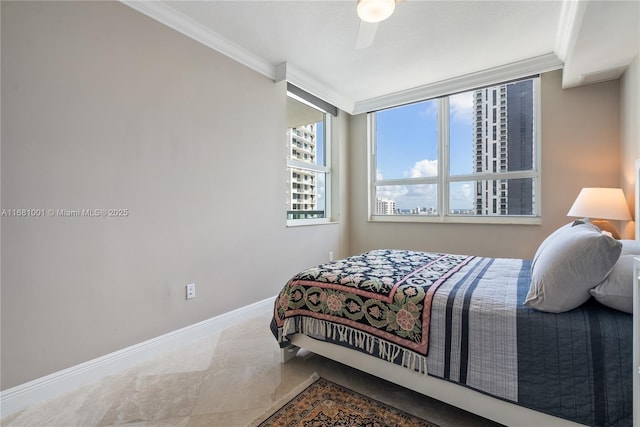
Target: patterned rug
[(326, 404)]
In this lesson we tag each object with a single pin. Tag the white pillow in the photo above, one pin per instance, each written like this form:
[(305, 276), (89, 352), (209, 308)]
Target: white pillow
[(567, 265), (616, 291), (551, 237), (630, 247)]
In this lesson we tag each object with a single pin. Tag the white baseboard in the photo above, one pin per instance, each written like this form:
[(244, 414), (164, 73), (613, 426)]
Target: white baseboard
[(59, 383)]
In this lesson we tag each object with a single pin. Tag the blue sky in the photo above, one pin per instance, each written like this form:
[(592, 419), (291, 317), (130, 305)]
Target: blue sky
[(407, 147)]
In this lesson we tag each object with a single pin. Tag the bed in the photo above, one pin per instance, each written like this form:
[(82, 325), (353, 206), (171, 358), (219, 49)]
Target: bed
[(498, 337)]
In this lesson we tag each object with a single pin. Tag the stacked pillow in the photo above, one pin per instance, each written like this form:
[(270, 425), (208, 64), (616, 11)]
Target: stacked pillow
[(574, 261), (616, 291)]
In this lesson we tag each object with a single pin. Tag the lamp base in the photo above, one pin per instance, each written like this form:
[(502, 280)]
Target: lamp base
[(605, 225)]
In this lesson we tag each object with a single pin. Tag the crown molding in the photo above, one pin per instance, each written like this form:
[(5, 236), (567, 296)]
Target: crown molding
[(571, 15), (172, 18), (496, 75), (176, 20)]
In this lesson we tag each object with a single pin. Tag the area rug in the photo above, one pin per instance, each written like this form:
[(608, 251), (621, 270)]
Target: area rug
[(327, 404)]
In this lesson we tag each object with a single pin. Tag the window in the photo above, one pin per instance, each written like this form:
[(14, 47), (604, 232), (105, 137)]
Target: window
[(308, 159), (467, 157)]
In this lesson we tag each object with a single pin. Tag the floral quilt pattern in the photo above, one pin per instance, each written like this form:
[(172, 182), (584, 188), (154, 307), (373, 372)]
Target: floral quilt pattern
[(386, 293)]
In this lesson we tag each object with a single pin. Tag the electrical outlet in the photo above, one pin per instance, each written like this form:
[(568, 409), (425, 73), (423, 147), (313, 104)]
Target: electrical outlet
[(330, 255), (191, 290)]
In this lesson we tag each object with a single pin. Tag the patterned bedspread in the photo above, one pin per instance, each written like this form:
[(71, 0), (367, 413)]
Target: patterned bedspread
[(379, 301), (462, 319)]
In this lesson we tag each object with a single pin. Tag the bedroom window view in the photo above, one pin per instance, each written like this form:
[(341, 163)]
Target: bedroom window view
[(307, 168), (468, 155)]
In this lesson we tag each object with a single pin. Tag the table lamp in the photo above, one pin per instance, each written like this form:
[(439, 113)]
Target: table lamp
[(602, 204)]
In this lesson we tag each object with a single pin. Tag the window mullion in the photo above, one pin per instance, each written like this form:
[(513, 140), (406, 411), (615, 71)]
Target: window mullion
[(307, 166), (328, 161), (443, 155), (408, 181), (490, 176), (373, 176)]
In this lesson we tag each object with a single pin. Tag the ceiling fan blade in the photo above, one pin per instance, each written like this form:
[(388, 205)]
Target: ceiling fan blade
[(366, 34)]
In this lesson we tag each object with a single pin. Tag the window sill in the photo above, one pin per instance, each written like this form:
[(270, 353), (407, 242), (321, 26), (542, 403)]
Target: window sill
[(505, 220), (309, 222)]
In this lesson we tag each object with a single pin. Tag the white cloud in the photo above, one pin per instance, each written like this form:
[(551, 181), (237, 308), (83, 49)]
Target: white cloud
[(392, 192), (424, 168), (409, 196), (413, 196), (430, 109), (462, 195), (423, 192), (425, 195), (461, 106)]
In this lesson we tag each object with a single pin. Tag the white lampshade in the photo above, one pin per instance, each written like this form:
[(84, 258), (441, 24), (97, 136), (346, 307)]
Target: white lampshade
[(375, 10), (601, 203)]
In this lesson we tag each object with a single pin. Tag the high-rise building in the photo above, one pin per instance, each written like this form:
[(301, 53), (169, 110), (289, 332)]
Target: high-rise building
[(503, 135), (385, 207), (303, 189)]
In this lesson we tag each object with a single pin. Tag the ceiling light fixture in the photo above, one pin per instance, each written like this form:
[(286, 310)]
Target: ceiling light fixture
[(375, 10)]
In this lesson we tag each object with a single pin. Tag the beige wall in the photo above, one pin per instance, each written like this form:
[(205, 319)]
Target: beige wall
[(105, 108), (629, 135), (580, 134)]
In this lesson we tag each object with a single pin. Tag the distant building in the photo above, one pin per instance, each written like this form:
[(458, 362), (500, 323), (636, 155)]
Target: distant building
[(503, 138), (385, 207), (423, 211), (303, 190)]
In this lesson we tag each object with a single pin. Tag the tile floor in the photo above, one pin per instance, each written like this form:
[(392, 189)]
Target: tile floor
[(227, 379)]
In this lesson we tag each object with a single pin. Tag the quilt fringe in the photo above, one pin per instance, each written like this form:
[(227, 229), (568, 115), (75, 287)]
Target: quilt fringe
[(367, 343)]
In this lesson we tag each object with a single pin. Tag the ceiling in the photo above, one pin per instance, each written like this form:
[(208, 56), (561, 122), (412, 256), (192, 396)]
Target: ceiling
[(424, 48)]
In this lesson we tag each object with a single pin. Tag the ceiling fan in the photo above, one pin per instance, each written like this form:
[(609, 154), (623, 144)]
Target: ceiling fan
[(371, 13)]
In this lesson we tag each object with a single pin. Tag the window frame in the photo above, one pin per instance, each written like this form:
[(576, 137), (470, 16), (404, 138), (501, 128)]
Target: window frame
[(444, 179), (324, 169)]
